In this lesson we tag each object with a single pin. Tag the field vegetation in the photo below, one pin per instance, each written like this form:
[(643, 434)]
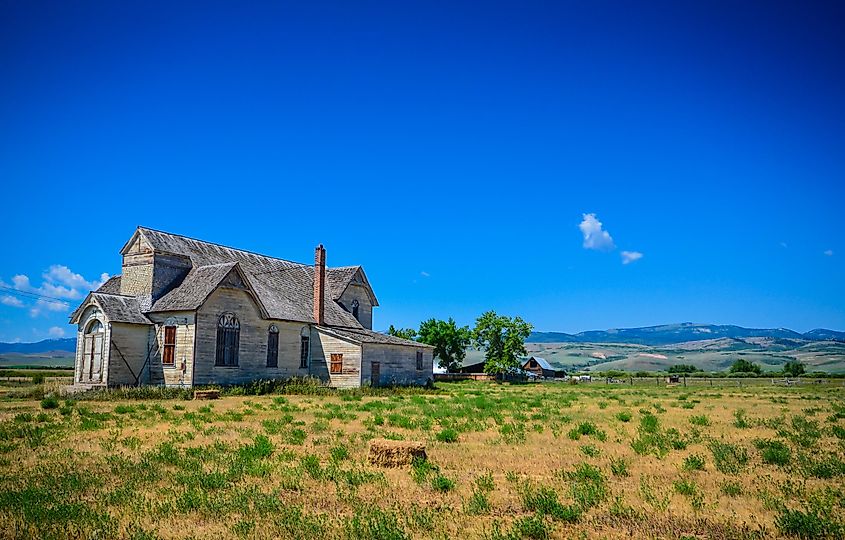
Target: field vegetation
[(505, 461)]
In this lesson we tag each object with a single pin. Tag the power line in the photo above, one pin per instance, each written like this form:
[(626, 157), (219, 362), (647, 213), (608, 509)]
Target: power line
[(28, 294)]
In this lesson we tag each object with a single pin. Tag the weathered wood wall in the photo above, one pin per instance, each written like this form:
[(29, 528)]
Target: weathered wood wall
[(397, 364), (181, 372), (323, 346), (359, 292), (127, 352), (252, 354)]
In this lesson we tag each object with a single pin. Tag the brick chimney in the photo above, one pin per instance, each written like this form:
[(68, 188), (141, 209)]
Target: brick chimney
[(319, 284)]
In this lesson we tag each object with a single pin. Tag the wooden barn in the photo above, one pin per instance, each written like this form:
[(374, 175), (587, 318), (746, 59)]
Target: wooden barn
[(186, 312), (541, 368)]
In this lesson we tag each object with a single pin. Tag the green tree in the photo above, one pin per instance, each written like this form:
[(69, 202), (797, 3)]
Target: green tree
[(683, 368), (449, 340), (502, 339), (404, 333), (744, 366), (793, 368)]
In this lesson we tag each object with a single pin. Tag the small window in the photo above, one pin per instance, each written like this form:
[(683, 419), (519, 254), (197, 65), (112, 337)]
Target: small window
[(273, 346), (355, 309), (303, 352), (336, 363), (169, 357), (419, 360)]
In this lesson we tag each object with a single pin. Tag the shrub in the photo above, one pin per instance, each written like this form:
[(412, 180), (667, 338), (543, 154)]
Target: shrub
[(694, 462), (700, 420), (624, 416), (441, 483), (731, 489), (773, 452), (38, 378), (728, 458), (447, 435), (50, 402), (619, 467)]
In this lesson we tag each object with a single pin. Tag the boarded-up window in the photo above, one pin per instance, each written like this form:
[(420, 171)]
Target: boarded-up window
[(169, 356), (273, 346), (228, 340), (336, 363), (419, 360), (303, 352)]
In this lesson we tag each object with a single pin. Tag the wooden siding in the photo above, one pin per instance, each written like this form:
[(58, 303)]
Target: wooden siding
[(397, 363), (127, 353), (323, 346), (252, 353), (359, 292), (182, 371)]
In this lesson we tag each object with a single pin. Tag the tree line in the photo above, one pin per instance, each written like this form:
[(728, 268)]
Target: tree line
[(501, 338)]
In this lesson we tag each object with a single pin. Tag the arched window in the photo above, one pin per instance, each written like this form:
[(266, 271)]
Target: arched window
[(94, 327), (355, 309), (304, 347), (273, 346), (92, 354), (228, 340)]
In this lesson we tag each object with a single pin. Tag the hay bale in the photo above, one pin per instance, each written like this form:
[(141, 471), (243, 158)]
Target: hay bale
[(206, 394), (387, 453)]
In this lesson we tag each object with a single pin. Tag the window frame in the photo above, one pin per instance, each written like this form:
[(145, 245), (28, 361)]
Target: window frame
[(273, 346), (420, 361), (304, 351), (228, 341), (336, 359), (168, 355), (355, 312)]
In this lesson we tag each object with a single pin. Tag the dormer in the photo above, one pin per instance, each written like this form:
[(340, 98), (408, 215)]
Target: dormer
[(149, 274)]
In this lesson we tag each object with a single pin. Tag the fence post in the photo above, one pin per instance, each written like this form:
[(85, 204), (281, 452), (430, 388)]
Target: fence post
[(685, 381)]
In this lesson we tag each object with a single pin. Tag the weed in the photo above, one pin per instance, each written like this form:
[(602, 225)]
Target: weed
[(728, 458), (694, 462)]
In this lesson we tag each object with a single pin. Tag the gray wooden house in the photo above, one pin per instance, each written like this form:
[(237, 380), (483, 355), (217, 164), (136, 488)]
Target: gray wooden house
[(186, 312)]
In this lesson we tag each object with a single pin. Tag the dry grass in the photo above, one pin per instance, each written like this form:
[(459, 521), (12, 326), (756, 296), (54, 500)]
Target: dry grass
[(531, 461)]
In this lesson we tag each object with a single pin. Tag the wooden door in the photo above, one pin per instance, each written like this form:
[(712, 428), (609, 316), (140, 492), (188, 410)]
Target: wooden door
[(375, 373), (97, 358), (87, 351)]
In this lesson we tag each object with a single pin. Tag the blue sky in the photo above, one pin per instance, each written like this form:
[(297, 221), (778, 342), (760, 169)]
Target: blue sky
[(464, 153)]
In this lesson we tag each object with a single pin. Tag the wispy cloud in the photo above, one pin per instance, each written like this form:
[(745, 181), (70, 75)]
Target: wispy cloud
[(425, 274), (595, 237), (56, 332), (784, 245), (9, 300), (59, 283), (829, 252), (631, 256)]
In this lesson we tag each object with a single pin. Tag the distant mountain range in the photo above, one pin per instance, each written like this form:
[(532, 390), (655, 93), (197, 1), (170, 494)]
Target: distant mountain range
[(666, 334), (680, 333), (47, 345)]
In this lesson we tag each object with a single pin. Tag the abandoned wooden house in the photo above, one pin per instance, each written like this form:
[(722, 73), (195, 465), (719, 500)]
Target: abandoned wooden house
[(185, 312)]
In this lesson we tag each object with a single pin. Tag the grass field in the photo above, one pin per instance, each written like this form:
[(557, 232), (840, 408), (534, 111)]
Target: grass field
[(505, 461)]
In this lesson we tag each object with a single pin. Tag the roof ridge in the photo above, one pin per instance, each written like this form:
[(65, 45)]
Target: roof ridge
[(140, 227)]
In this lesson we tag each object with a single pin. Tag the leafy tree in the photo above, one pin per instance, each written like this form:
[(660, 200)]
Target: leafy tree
[(793, 368), (744, 366), (404, 333), (683, 368), (449, 340), (502, 339)]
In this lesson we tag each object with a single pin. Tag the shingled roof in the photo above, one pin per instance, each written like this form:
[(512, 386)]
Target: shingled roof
[(362, 335), (117, 308), (285, 288)]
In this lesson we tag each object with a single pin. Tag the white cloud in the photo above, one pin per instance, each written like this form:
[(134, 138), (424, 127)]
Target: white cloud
[(56, 332), (631, 256), (61, 274), (59, 283), (425, 274), (9, 300), (829, 253), (784, 245), (594, 236), (42, 305)]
